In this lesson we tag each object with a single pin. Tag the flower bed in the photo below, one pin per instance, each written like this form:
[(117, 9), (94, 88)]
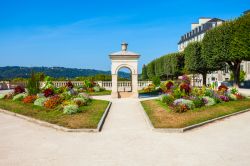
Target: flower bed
[(55, 104), (162, 116), (181, 98)]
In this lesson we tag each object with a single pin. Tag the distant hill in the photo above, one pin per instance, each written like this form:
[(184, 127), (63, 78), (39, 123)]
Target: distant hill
[(10, 72)]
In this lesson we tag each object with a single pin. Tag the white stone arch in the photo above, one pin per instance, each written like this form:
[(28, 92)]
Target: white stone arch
[(125, 66), (124, 59)]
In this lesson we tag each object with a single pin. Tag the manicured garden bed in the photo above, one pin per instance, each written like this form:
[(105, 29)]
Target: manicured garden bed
[(162, 116), (87, 117)]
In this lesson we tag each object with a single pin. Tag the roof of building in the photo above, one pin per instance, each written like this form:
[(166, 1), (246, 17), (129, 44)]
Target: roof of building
[(199, 30)]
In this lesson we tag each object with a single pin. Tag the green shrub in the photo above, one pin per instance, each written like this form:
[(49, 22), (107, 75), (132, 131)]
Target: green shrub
[(40, 101), (70, 109), (65, 96), (208, 92), (216, 98), (87, 84), (198, 102), (102, 89), (168, 99), (97, 89), (156, 81), (19, 97), (198, 91), (209, 101), (189, 103), (84, 95), (234, 90), (33, 85), (80, 101), (48, 84), (177, 93)]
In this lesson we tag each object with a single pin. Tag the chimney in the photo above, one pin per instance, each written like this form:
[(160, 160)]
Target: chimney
[(124, 46)]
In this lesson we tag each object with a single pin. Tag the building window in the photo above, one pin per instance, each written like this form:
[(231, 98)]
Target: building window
[(241, 67)]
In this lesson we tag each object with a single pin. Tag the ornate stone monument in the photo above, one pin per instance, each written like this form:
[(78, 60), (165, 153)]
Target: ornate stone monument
[(124, 59)]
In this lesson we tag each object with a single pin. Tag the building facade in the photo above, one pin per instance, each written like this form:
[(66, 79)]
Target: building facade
[(197, 33)]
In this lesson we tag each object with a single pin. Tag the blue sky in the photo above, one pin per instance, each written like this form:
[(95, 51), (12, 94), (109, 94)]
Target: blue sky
[(81, 33)]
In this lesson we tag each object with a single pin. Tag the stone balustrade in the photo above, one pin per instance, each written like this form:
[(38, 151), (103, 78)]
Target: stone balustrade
[(104, 84)]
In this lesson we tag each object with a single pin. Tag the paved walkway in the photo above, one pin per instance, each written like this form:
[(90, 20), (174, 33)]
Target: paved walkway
[(125, 140), (245, 91)]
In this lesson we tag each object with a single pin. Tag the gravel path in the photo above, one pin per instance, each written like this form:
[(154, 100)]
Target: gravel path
[(126, 140)]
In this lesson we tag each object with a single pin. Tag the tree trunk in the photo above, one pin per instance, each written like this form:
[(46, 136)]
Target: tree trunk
[(236, 73), (204, 79), (235, 68), (193, 80)]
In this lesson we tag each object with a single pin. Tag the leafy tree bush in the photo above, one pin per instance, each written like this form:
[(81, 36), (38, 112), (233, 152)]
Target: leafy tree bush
[(33, 85), (195, 62), (242, 76), (144, 74), (156, 80), (228, 43), (167, 66)]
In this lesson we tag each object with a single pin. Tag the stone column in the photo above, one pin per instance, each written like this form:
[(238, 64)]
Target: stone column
[(135, 85), (114, 93)]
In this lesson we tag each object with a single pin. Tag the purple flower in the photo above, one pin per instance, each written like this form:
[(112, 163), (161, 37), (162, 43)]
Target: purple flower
[(224, 98), (204, 100)]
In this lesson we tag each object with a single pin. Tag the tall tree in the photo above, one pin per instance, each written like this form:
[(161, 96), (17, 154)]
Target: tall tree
[(144, 74), (229, 43), (195, 63), (151, 69), (216, 45), (170, 65), (240, 45)]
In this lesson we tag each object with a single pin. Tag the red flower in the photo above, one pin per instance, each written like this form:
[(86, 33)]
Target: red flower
[(186, 87), (169, 85), (239, 96), (19, 89), (48, 92), (223, 88), (69, 85)]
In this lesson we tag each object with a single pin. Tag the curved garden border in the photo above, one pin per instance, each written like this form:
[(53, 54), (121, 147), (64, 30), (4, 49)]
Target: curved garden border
[(184, 129), (57, 127)]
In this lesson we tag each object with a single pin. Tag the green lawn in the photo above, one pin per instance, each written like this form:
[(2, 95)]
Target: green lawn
[(162, 117), (106, 92), (89, 116)]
